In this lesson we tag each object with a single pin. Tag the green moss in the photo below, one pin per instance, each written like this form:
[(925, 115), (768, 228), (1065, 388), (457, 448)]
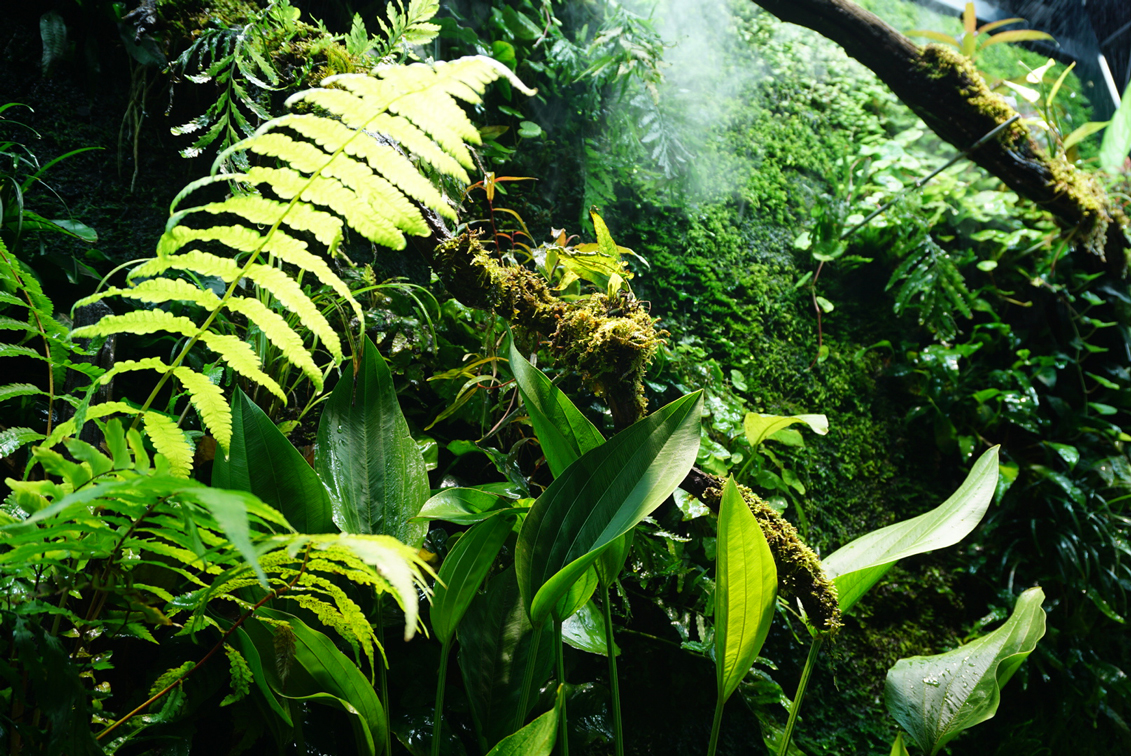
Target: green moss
[(609, 341), (800, 575)]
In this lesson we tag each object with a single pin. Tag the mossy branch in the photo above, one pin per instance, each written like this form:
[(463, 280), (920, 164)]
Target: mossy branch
[(948, 93), (609, 341)]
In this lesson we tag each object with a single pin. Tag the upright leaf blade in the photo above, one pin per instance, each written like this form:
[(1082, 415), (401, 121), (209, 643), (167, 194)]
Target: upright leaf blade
[(599, 498), (935, 698), (746, 587), (261, 460), (535, 739), (565, 433), (494, 649), (463, 571), (367, 457), (860, 565)]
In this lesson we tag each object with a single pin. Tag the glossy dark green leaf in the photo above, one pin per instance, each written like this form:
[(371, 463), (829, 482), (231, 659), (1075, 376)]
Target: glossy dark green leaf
[(372, 466), (261, 460), (564, 433), (495, 644), (935, 698), (858, 566), (600, 497), (320, 673), (746, 587), (463, 571)]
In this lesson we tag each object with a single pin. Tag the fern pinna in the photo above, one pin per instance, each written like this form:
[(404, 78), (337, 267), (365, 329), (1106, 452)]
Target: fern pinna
[(335, 164)]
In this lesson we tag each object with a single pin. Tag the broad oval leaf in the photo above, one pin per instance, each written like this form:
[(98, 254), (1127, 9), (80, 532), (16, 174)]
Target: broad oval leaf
[(585, 631), (860, 565), (760, 427), (600, 497), (565, 433), (367, 457), (261, 460), (935, 698), (535, 739), (462, 573), (746, 587), (462, 506)]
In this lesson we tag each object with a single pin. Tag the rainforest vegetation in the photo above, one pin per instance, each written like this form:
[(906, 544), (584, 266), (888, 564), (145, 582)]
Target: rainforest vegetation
[(527, 377)]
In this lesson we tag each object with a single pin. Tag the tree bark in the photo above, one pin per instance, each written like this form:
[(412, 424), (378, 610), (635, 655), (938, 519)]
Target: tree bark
[(944, 89)]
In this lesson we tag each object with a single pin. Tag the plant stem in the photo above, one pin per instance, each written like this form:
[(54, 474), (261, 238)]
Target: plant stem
[(716, 725), (618, 732), (810, 662), (384, 677), (559, 652), (528, 678), (438, 714)]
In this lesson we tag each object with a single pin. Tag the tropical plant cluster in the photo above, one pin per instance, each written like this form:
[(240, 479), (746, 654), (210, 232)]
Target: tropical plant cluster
[(799, 435)]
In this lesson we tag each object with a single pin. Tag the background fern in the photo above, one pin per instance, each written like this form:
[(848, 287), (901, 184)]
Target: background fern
[(331, 166), (928, 281)]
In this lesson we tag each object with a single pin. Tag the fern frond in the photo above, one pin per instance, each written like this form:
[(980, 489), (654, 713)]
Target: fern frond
[(238, 355), (930, 282), (168, 439), (11, 439), (13, 390), (205, 396)]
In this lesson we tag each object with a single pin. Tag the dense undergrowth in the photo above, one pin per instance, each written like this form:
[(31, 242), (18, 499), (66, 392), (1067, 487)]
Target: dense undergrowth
[(958, 320)]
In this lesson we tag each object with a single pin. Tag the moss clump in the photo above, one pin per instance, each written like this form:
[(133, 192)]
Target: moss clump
[(609, 341), (799, 570), (943, 63)]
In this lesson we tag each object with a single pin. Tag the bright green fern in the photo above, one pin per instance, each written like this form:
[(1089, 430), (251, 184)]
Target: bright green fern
[(338, 162)]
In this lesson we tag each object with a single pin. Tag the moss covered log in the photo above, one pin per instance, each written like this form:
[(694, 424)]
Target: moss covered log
[(948, 93), (609, 341)]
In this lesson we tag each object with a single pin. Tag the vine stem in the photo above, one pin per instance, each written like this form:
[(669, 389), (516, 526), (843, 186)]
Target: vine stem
[(559, 652), (211, 652), (382, 673), (528, 677), (716, 725), (618, 731), (810, 663), (439, 712)]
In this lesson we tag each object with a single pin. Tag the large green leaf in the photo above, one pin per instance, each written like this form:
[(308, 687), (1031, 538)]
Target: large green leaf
[(318, 673), (611, 561), (585, 631), (578, 595), (1117, 139), (760, 427), (860, 565), (535, 739), (495, 645), (746, 582), (261, 460), (463, 571), (463, 506), (935, 698), (565, 433), (367, 457), (600, 497)]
